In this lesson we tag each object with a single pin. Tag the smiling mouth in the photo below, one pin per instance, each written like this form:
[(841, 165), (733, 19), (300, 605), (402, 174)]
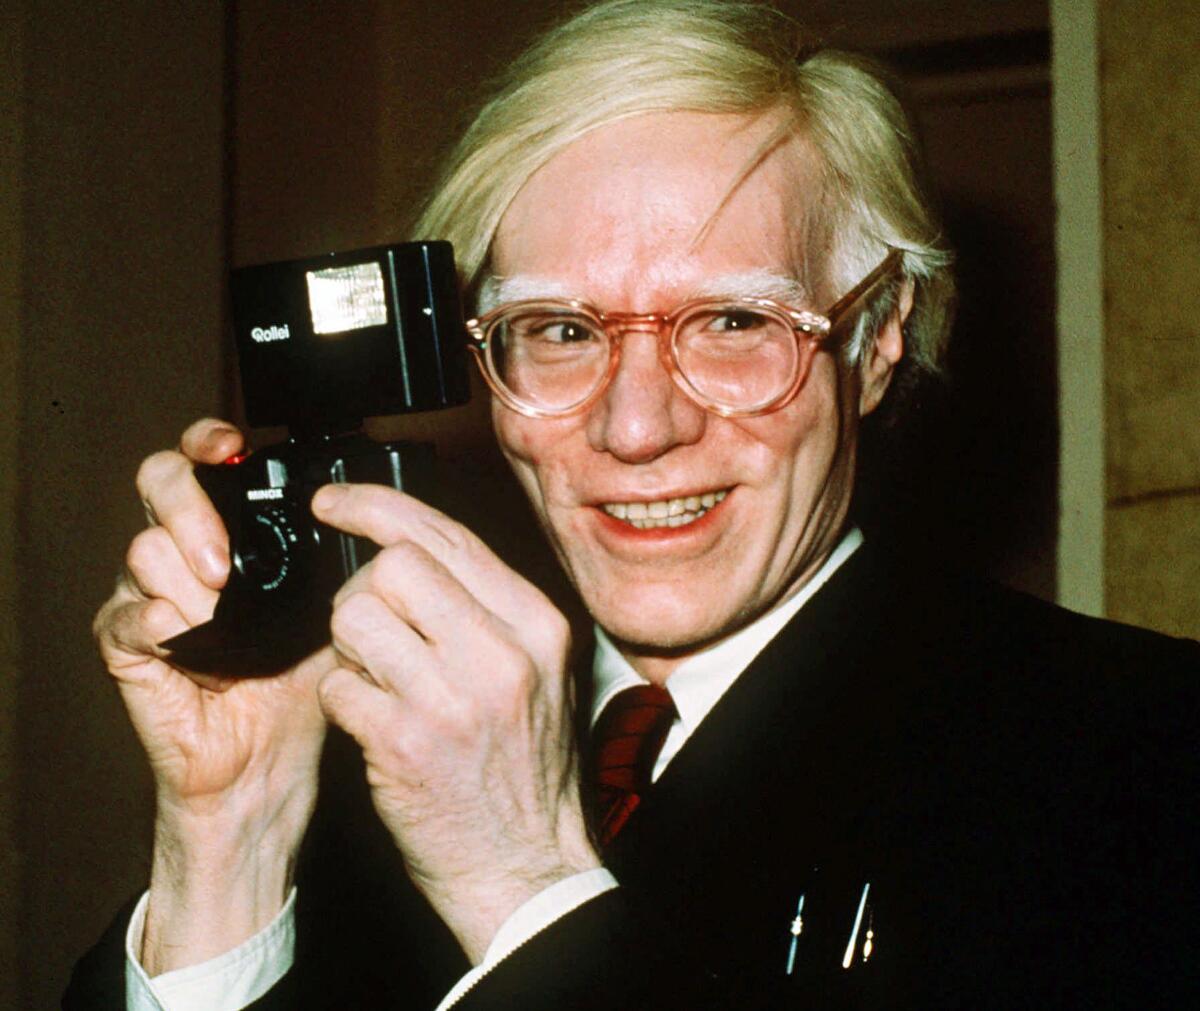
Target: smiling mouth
[(668, 512)]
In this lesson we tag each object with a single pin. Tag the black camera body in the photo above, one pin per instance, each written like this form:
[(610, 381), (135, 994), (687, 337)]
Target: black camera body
[(323, 343)]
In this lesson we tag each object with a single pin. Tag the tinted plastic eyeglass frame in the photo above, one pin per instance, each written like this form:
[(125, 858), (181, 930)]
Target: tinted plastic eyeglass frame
[(811, 330)]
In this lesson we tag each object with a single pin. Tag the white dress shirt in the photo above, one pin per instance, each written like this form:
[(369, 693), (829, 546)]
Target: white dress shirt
[(231, 981)]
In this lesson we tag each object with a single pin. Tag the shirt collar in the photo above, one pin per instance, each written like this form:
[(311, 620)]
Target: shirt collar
[(697, 683)]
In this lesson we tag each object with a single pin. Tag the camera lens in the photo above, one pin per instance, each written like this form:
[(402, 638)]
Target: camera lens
[(266, 554)]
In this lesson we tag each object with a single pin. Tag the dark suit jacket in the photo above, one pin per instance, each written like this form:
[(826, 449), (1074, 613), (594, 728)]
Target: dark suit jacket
[(1017, 784)]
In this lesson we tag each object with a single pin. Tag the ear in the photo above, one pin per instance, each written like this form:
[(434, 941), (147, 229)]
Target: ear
[(884, 354)]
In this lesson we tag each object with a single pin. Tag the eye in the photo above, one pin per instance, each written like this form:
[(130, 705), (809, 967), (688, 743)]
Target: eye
[(736, 319), (562, 331), (731, 328), (551, 328)]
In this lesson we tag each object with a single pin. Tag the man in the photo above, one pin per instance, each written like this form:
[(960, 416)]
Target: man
[(702, 259)]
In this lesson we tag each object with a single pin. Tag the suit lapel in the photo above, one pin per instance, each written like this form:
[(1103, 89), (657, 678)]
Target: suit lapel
[(772, 797)]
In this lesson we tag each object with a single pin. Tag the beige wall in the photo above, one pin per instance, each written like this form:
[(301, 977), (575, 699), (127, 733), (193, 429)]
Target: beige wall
[(121, 258), (11, 245), (1150, 97)]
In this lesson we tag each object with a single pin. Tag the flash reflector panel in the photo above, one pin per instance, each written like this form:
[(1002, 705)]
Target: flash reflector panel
[(346, 298), (350, 335)]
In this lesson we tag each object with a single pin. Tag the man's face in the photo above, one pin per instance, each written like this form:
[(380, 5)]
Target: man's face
[(629, 218)]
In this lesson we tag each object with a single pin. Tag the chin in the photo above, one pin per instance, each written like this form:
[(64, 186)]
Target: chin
[(655, 628)]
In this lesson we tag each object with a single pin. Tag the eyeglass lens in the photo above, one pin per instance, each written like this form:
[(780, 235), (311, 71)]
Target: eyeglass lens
[(737, 355)]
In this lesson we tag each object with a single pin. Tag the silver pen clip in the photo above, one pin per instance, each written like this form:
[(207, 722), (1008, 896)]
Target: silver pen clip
[(796, 929), (848, 958)]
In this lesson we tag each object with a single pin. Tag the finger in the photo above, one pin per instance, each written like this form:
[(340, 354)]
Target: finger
[(365, 712), (157, 569), (174, 497), (383, 514), (373, 638), (351, 664), (388, 517), (211, 440), (428, 597), (423, 636), (129, 630)]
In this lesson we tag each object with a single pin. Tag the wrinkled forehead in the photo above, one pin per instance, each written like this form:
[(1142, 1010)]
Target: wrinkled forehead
[(660, 207)]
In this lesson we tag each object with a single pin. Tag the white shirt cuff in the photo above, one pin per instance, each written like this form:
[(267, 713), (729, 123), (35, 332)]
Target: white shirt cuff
[(226, 983), (532, 918)]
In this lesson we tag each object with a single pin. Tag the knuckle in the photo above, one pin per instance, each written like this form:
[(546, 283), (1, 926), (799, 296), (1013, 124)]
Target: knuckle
[(454, 538), (103, 622), (332, 688), (395, 761), (448, 715), (462, 721), (358, 583), (154, 619), (385, 569), (146, 551), (514, 671), (127, 629), (157, 468), (200, 520), (123, 594), (556, 630), (457, 538), (335, 696), (355, 613), (394, 565), (549, 636)]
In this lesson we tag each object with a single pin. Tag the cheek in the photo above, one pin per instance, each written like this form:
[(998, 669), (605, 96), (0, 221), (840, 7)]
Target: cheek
[(519, 445), (807, 450), (798, 442), (539, 452)]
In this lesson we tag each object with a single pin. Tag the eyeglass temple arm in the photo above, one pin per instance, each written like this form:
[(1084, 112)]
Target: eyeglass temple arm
[(845, 307)]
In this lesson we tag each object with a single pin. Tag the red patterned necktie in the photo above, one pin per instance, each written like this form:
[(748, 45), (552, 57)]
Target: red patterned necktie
[(625, 745)]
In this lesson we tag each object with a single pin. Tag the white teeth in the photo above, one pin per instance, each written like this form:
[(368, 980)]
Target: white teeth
[(674, 512)]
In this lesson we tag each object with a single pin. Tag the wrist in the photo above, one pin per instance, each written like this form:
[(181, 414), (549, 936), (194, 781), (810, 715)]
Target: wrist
[(475, 906), (216, 880)]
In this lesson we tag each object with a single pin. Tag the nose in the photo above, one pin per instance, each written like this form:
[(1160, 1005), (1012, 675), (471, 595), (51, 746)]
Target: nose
[(643, 414)]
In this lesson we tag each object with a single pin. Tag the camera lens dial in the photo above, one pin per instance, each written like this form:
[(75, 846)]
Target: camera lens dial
[(268, 549)]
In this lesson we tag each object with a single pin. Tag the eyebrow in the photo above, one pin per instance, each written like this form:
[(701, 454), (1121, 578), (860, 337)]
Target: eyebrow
[(497, 290), (754, 284), (760, 283)]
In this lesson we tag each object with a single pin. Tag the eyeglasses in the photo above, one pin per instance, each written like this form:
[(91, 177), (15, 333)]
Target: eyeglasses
[(736, 357)]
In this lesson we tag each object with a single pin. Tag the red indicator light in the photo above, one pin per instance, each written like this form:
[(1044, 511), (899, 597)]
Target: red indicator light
[(236, 459)]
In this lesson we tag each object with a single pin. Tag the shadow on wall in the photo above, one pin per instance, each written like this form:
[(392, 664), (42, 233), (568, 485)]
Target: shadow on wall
[(973, 475)]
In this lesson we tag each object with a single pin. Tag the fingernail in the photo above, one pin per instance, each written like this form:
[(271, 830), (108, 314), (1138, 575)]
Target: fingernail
[(329, 496), (214, 563), (215, 438)]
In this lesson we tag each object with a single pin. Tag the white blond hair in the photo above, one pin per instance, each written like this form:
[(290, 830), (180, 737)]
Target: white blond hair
[(622, 58)]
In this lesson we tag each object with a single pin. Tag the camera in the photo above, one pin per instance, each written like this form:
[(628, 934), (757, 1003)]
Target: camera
[(322, 344)]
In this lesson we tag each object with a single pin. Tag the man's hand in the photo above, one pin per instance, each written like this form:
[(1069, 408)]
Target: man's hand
[(234, 761), (453, 680)]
